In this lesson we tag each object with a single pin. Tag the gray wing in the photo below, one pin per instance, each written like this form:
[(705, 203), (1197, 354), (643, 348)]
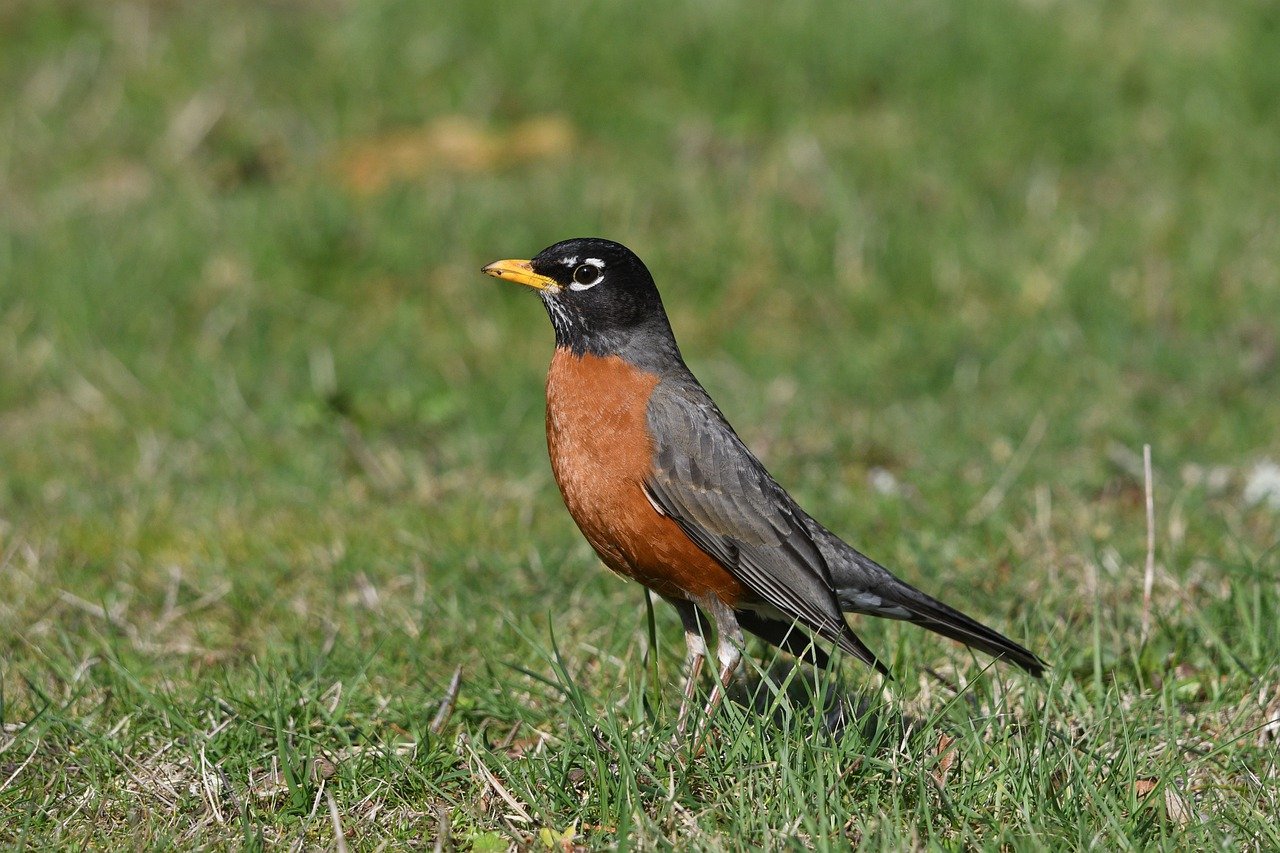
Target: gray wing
[(707, 481)]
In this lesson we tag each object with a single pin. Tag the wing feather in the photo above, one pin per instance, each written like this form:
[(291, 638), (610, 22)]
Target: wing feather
[(724, 500)]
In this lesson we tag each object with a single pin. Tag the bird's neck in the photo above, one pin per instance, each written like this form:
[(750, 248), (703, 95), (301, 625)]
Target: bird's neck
[(651, 347)]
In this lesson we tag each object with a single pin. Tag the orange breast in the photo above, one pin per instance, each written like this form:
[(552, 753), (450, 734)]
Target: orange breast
[(601, 452)]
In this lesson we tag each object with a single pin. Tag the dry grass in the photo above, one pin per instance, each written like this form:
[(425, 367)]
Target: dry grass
[(271, 466)]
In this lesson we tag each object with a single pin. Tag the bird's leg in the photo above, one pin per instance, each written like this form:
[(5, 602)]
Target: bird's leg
[(729, 643), (697, 653)]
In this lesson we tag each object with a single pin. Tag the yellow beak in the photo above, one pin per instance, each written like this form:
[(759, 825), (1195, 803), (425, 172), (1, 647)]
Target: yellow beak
[(521, 272)]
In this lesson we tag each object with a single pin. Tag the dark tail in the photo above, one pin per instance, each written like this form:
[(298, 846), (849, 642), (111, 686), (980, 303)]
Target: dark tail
[(864, 586), (937, 617)]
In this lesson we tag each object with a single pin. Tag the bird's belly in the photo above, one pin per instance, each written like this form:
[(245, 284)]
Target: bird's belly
[(601, 452)]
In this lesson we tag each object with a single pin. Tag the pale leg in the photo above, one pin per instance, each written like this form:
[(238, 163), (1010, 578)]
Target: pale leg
[(696, 654), (729, 643)]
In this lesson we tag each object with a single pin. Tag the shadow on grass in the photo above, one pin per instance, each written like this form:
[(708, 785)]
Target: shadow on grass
[(775, 693)]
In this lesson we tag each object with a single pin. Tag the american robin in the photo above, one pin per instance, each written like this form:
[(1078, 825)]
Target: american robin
[(668, 495)]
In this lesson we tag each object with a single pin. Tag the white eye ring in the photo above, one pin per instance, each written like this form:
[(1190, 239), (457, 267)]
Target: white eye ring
[(586, 276)]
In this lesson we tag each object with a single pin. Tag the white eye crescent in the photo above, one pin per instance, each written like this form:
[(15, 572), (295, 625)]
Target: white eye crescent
[(588, 275)]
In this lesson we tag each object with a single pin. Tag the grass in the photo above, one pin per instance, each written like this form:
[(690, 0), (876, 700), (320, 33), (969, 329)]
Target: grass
[(271, 454)]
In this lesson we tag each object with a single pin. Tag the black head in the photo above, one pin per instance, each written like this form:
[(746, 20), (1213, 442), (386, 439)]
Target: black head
[(599, 295)]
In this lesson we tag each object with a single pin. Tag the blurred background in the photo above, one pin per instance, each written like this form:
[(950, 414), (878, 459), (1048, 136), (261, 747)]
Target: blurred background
[(945, 267)]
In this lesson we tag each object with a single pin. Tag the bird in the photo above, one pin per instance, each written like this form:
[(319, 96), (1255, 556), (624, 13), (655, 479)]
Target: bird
[(669, 496)]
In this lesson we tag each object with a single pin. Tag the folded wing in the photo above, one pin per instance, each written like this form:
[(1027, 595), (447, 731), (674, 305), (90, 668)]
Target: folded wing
[(724, 500)]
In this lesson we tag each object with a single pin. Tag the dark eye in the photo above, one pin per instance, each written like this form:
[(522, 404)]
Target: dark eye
[(586, 274)]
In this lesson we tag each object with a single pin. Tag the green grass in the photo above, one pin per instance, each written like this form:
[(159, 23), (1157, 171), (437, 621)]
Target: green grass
[(271, 453)]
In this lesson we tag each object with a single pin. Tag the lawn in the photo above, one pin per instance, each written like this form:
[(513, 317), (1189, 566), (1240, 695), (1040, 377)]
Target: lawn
[(272, 465)]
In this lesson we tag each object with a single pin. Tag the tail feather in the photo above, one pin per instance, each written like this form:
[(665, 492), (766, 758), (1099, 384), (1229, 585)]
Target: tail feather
[(951, 623), (864, 586)]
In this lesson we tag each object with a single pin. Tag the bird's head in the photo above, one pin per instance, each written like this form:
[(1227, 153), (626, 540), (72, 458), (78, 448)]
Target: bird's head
[(599, 295)]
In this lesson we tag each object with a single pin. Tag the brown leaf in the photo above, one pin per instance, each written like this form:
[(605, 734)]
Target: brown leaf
[(946, 757), (450, 144), (1145, 786)]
